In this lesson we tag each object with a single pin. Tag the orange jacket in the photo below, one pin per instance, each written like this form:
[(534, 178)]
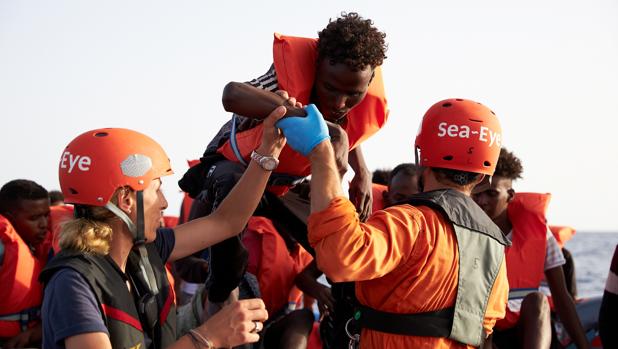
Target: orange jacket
[(19, 273), (525, 259), (295, 61), (277, 266), (404, 259), (562, 234)]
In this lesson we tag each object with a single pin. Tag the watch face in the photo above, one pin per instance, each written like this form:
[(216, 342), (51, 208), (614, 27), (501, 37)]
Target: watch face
[(268, 163)]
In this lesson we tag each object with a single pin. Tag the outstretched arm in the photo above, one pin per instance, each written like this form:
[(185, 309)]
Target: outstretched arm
[(234, 212), (252, 102)]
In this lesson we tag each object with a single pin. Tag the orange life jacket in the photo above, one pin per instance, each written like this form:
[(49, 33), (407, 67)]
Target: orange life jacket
[(20, 293), (295, 63), (562, 234), (278, 266), (377, 191), (57, 216), (525, 259)]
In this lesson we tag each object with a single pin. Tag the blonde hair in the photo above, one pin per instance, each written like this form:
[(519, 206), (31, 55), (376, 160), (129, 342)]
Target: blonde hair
[(90, 235)]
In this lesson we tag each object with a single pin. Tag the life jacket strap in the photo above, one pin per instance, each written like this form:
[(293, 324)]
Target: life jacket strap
[(24, 317), (520, 293), (429, 324)]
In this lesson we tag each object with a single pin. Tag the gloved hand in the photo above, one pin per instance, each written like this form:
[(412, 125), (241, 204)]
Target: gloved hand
[(304, 133)]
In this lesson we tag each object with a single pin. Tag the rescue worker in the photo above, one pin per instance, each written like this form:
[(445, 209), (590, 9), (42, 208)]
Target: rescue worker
[(336, 303), (107, 287), (340, 73), (430, 273), (24, 208), (534, 254)]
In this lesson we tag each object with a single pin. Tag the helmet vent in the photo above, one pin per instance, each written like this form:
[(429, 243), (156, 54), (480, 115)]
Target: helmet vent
[(493, 112), (447, 104), (448, 158), (101, 134), (475, 120), (459, 100), (487, 164), (73, 191)]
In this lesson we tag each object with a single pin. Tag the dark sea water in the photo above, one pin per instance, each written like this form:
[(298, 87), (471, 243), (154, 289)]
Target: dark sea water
[(592, 253)]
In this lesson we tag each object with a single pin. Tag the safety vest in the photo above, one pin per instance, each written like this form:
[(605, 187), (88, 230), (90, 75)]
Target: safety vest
[(481, 253), (562, 234), (125, 324), (295, 64), (525, 259), (278, 266), (20, 293), (377, 191)]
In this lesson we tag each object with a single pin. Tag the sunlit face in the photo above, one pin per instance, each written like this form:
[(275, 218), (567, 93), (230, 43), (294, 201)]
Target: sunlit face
[(154, 204), (494, 198), (29, 218), (338, 88), (401, 187)]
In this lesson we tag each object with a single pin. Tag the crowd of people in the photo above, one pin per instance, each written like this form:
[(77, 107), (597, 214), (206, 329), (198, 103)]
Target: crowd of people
[(439, 253)]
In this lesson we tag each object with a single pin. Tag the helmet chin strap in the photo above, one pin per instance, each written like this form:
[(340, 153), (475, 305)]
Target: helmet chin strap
[(139, 239)]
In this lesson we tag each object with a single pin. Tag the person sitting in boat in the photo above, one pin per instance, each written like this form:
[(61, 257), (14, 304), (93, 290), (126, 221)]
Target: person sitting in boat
[(429, 273), (107, 287), (534, 253), (24, 208), (340, 73)]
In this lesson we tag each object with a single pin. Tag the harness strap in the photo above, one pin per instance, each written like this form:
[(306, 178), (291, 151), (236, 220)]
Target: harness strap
[(233, 142), (519, 293), (24, 317), (430, 324)]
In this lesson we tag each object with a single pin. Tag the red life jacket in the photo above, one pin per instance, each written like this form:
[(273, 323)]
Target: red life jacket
[(278, 266), (295, 63), (562, 234), (20, 293), (57, 216), (525, 259)]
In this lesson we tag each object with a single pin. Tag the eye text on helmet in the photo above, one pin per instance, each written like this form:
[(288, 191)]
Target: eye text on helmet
[(69, 161)]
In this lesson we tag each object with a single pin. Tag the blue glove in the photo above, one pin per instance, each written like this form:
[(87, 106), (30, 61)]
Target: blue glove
[(304, 133)]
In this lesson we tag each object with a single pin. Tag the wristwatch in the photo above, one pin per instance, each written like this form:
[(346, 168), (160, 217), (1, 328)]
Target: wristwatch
[(268, 163)]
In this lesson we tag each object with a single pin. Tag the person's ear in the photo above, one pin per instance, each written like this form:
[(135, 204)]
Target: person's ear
[(125, 199), (510, 194)]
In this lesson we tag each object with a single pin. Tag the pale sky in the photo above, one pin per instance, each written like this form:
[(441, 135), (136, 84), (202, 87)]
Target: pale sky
[(549, 69)]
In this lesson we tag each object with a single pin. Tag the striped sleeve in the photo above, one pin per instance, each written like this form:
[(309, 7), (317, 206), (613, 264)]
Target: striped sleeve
[(267, 81), (612, 279)]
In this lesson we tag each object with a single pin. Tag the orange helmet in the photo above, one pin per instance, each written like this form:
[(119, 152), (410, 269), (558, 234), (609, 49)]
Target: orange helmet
[(459, 134), (98, 162)]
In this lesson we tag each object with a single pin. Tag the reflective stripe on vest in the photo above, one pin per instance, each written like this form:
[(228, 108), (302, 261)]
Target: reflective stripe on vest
[(520, 293)]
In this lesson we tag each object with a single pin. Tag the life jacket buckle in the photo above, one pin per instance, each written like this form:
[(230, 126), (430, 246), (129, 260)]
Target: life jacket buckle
[(354, 338)]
